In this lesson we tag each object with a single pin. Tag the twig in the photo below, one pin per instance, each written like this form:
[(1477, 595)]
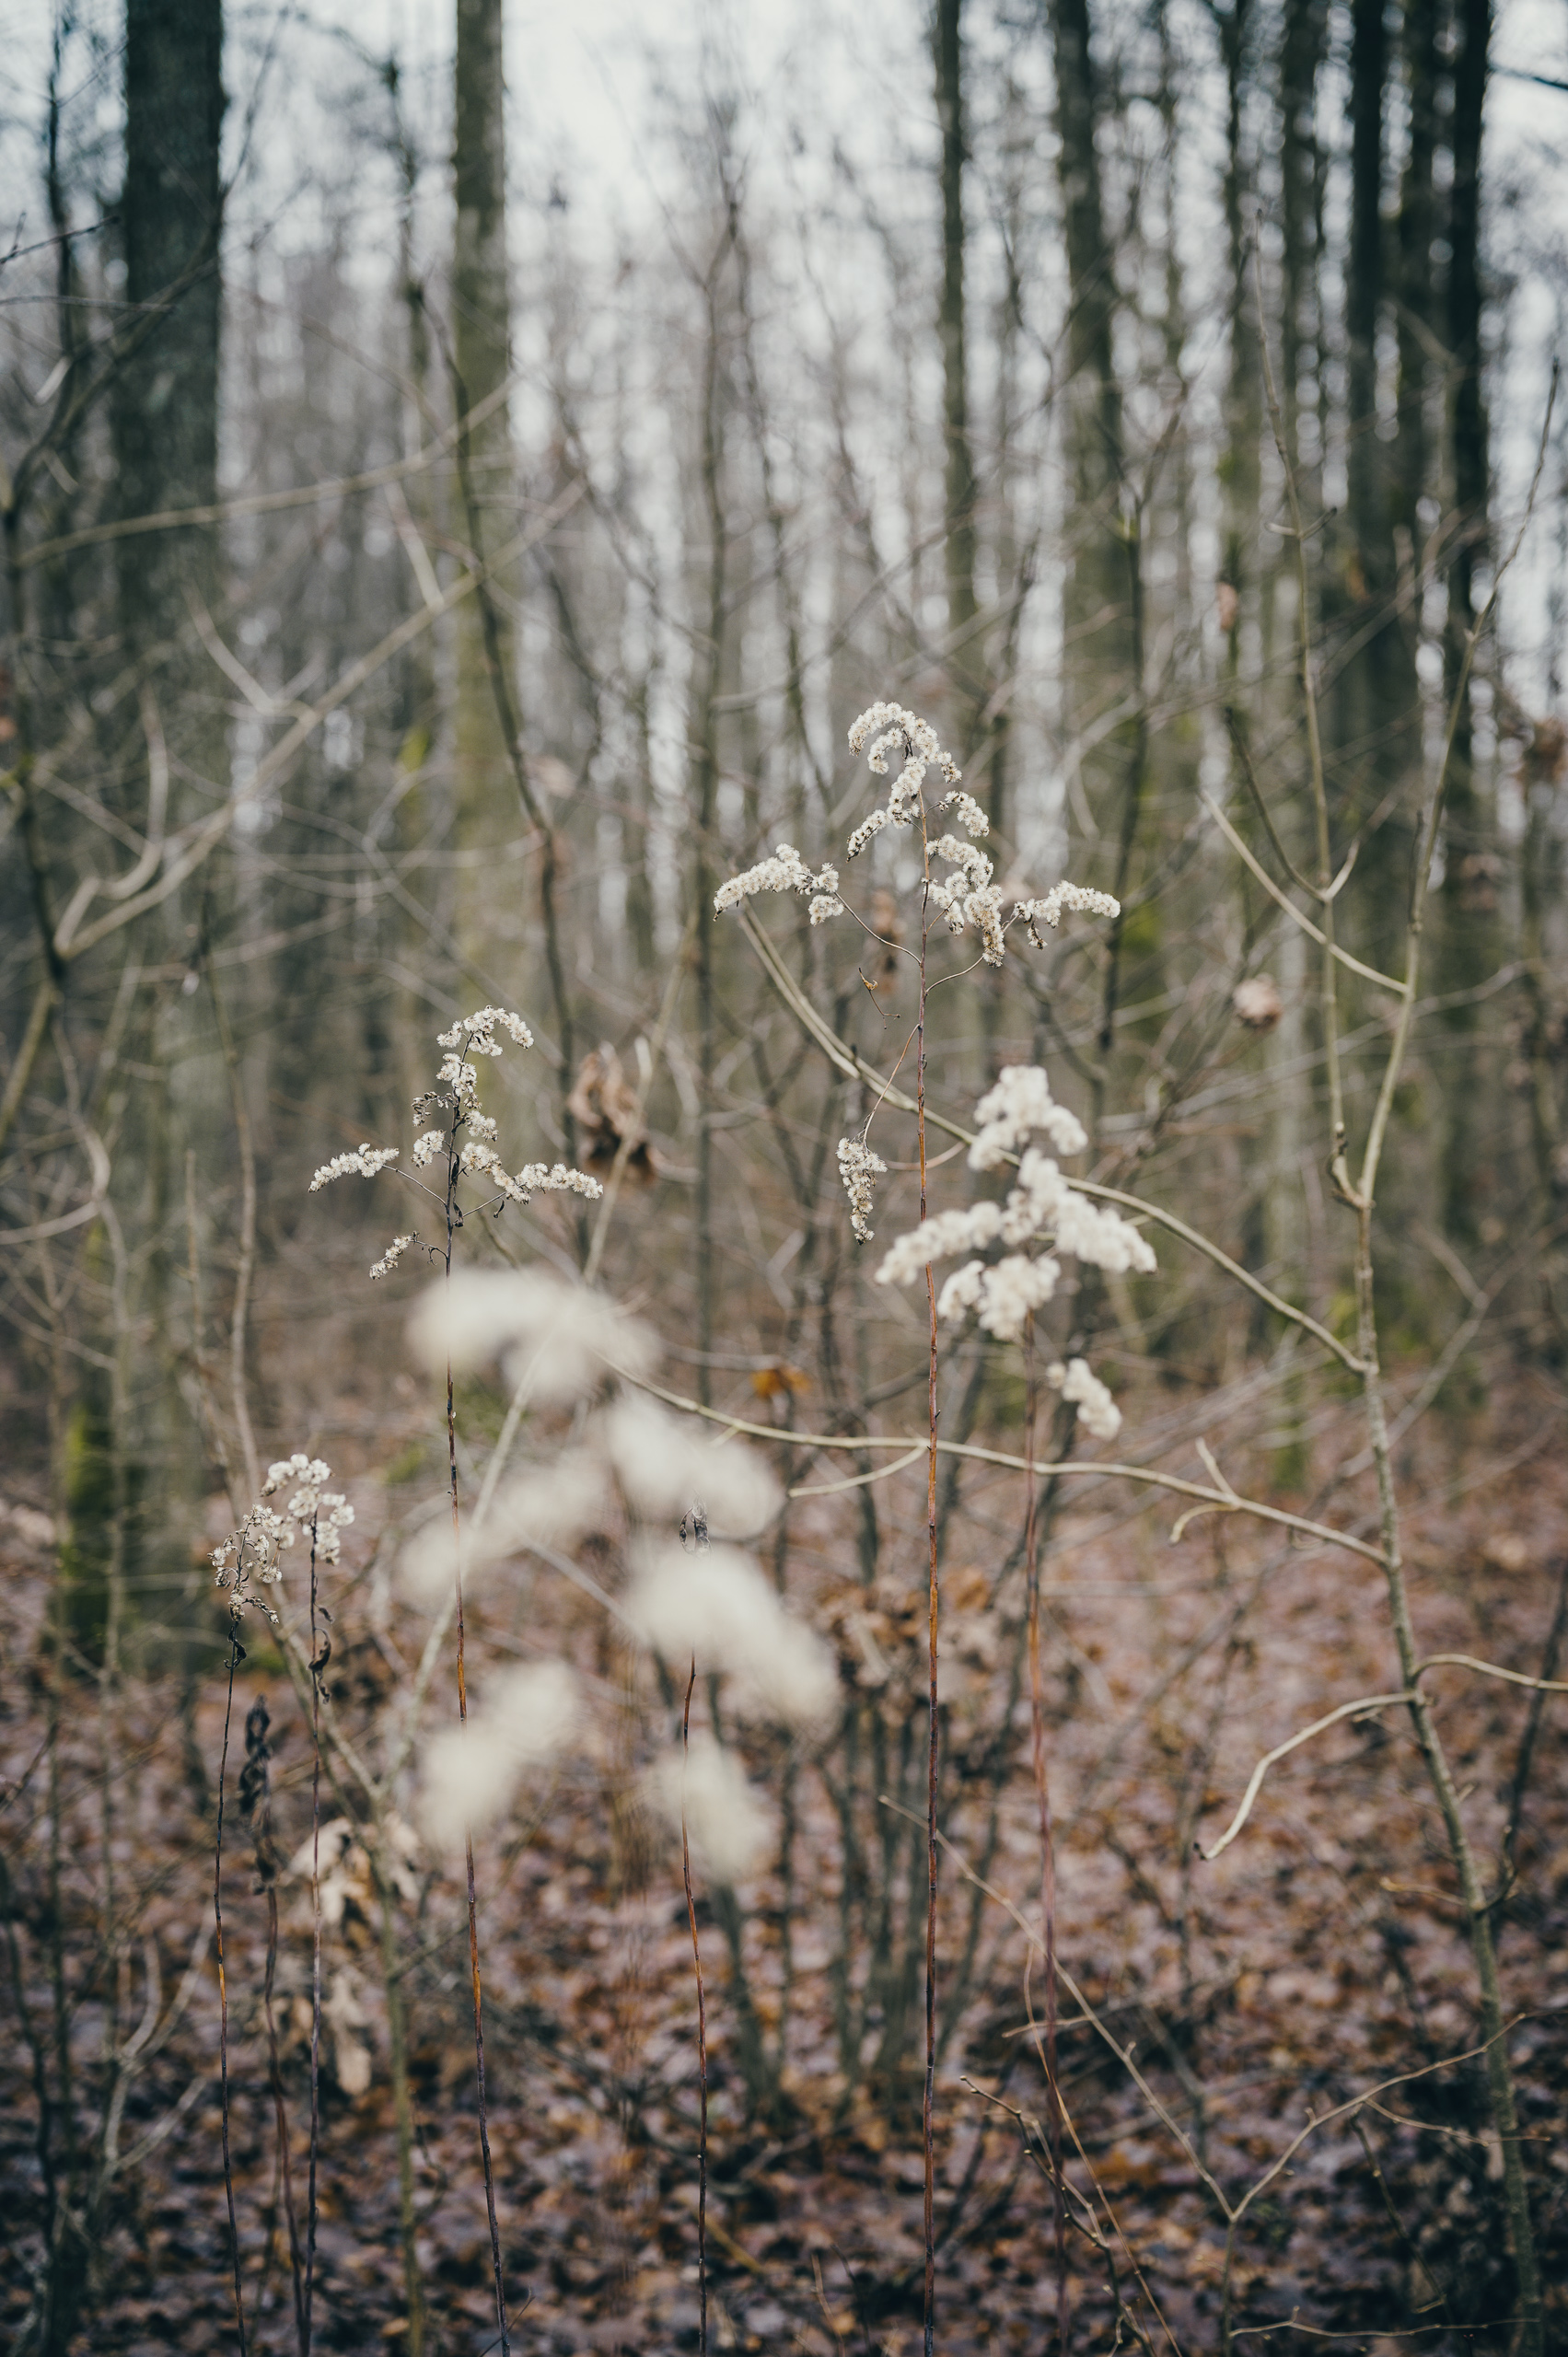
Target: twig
[(1255, 1782), (236, 1655), (701, 2032)]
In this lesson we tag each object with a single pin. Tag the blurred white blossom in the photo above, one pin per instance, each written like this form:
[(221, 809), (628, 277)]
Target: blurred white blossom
[(548, 1505), (1021, 1102), (727, 1827), (524, 1720), (718, 1608), (1097, 1412), (567, 1335), (661, 1466)]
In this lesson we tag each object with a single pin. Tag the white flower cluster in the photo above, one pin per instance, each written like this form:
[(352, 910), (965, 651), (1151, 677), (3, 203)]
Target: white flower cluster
[(367, 1161), (966, 810), (1019, 1104), (1097, 1412), (321, 1514), (857, 1167), (897, 731), (1043, 1205), (457, 1091), (1077, 896), (785, 872), (253, 1551), (394, 1254), (968, 897), (1004, 1295), (476, 1031)]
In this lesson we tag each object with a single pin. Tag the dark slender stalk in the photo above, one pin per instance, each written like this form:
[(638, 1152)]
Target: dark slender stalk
[(256, 1782), (928, 2128), (505, 2343), (702, 2041), (315, 1957), (397, 2024), (1047, 1839), (235, 1654)]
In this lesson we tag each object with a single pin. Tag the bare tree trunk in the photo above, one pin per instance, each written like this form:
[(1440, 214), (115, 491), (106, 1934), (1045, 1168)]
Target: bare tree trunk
[(1102, 603), (164, 418), (485, 806), (964, 658), (1469, 933)]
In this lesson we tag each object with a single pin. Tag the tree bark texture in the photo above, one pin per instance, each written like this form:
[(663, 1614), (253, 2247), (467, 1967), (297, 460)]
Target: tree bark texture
[(485, 807)]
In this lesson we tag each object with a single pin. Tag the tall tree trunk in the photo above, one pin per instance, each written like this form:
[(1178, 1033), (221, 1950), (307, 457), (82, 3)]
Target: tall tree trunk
[(1380, 735), (1102, 606), (1240, 471), (965, 664), (1469, 930), (164, 424), (485, 806), (1303, 48)]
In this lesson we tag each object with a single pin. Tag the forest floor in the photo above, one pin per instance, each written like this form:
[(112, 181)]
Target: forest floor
[(1319, 1960)]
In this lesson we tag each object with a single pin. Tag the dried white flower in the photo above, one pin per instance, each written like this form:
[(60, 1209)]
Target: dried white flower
[(938, 1238), (661, 1466), (1020, 1102), (476, 1031), (857, 1167), (966, 810), (905, 732), (718, 1608), (569, 1336), (366, 1160), (426, 1147), (785, 872), (727, 1828), (392, 1255), (1011, 1290), (524, 1720), (1097, 1412), (1077, 896)]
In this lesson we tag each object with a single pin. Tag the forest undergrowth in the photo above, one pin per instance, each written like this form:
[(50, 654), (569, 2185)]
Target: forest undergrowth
[(1315, 1971)]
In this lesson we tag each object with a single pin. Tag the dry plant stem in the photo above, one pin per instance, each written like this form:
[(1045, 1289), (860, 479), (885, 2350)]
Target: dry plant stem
[(505, 2343), (315, 1955), (397, 2023), (701, 2040), (279, 2114), (928, 2123), (1047, 1841), (233, 1655)]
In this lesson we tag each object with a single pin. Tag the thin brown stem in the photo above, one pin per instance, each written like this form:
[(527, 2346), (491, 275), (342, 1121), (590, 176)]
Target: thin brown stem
[(928, 2109), (235, 1654), (702, 2041), (315, 1952), (1047, 1836), (497, 2268)]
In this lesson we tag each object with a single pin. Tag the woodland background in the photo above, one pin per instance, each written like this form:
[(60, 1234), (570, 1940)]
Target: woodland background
[(762, 368)]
